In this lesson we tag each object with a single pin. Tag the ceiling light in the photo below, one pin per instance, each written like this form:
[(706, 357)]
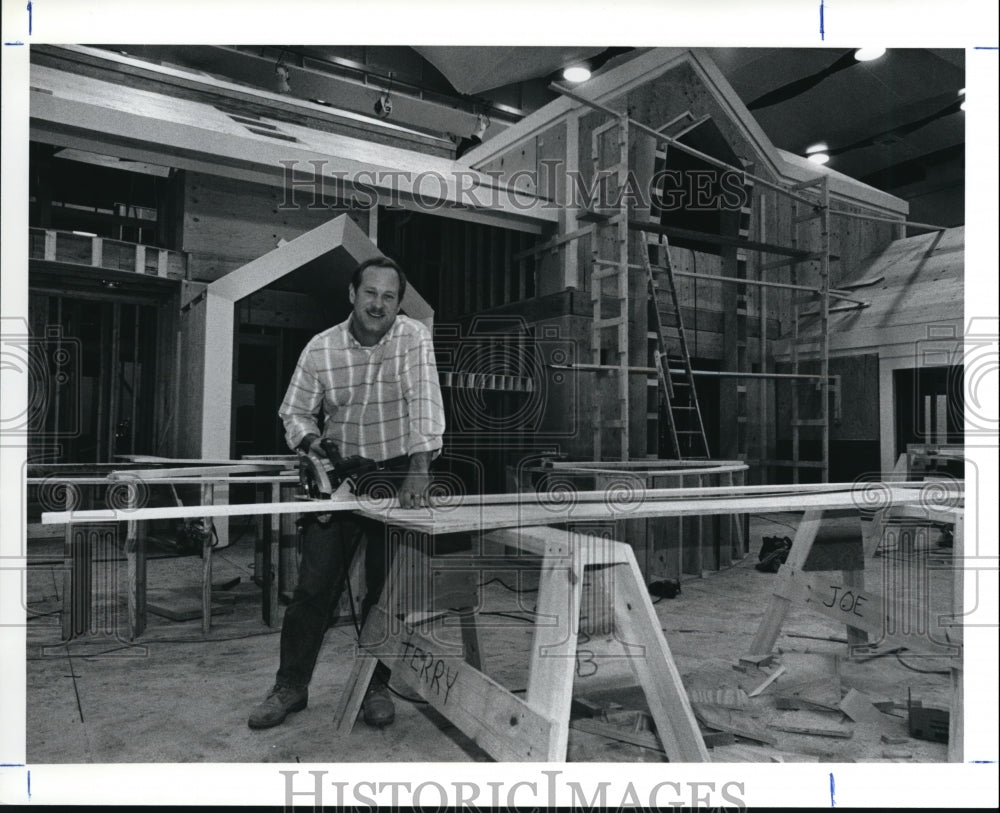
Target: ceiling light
[(819, 157), (868, 54), (576, 73), (383, 106), (818, 147)]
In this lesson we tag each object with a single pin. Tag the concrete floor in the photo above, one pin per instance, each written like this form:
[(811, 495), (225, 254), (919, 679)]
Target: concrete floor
[(176, 695)]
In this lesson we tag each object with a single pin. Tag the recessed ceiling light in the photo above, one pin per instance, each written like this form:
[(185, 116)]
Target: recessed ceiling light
[(818, 147), (576, 73), (868, 54), (819, 157)]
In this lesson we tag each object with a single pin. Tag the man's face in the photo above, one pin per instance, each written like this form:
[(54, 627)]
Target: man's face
[(376, 303)]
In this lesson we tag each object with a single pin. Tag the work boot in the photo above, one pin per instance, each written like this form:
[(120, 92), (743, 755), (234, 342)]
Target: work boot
[(280, 702), (377, 706)]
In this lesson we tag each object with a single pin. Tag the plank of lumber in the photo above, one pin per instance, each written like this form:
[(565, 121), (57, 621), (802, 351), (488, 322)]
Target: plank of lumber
[(843, 733), (148, 458), (193, 471), (477, 515), (643, 739), (238, 479)]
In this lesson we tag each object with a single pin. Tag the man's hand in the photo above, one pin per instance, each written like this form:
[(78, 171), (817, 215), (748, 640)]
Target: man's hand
[(413, 491), (311, 444)]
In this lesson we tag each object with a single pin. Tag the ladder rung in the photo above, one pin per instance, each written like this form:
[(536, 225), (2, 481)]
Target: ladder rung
[(610, 216), (613, 322), (810, 422)]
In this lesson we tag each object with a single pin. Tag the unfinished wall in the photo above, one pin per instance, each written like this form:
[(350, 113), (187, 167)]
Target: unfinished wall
[(226, 222)]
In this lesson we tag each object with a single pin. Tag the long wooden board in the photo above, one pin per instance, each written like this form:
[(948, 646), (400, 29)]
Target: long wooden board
[(516, 510), (195, 471)]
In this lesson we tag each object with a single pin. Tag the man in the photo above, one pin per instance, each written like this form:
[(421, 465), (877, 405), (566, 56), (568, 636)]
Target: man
[(375, 381)]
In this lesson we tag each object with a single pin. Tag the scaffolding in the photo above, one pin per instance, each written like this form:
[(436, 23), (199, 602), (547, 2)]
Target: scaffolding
[(809, 255)]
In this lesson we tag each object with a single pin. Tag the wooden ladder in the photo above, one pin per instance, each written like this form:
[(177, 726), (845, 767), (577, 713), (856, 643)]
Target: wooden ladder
[(609, 254), (817, 422), (673, 360)]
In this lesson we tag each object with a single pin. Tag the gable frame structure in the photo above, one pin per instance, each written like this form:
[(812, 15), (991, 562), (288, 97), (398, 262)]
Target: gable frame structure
[(650, 65), (208, 323)]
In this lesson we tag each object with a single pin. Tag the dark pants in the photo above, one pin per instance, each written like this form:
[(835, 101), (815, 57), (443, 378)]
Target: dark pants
[(327, 551)]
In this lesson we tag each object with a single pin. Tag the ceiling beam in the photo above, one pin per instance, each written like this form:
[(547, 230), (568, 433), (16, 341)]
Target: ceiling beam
[(342, 97), (102, 117)]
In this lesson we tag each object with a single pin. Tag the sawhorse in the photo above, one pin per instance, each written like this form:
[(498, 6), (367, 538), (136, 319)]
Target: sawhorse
[(506, 726), (866, 611), (862, 610)]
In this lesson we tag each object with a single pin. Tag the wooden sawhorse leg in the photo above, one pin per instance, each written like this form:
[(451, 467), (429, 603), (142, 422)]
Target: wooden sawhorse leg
[(501, 723), (135, 561), (553, 649), (777, 609), (537, 727), (271, 529), (207, 498)]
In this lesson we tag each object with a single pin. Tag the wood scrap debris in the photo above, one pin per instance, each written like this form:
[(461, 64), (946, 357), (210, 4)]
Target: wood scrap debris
[(735, 722), (757, 660), (643, 739), (858, 707), (727, 698), (892, 739), (770, 679), (842, 733)]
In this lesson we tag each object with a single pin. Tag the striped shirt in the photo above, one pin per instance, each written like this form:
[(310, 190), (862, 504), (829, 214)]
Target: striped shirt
[(379, 402)]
